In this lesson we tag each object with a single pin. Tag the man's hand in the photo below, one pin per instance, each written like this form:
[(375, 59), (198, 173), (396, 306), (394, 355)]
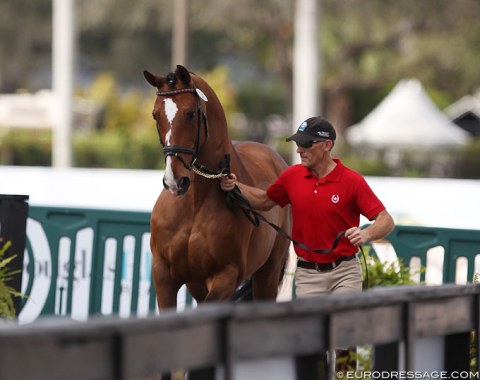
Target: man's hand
[(357, 236), (227, 183)]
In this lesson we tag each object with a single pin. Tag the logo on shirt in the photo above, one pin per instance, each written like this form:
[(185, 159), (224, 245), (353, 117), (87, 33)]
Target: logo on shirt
[(335, 198)]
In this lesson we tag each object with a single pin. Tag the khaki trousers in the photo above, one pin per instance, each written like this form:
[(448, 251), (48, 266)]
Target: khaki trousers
[(346, 277)]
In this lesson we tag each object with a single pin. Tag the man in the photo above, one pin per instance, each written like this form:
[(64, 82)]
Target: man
[(326, 198)]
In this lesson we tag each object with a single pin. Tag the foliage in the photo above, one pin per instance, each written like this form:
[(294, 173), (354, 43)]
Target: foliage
[(473, 334), (220, 81), (108, 149), (25, 54), (7, 293), (369, 166), (366, 47), (377, 46), (387, 273), (262, 100), (95, 149), (26, 147)]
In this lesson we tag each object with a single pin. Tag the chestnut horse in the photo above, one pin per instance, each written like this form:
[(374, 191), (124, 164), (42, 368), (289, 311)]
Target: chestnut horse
[(195, 238)]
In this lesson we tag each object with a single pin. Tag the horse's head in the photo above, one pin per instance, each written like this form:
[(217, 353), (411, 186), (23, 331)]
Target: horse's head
[(179, 113)]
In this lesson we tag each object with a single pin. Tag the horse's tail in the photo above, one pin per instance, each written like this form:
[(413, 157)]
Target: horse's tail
[(285, 286)]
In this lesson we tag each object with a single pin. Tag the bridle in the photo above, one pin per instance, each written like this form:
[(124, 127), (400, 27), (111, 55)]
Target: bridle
[(176, 150)]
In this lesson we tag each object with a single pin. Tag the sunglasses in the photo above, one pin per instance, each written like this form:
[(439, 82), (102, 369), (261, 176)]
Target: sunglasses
[(308, 144)]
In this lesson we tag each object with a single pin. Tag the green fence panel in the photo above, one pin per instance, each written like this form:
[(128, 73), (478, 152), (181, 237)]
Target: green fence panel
[(84, 262), (73, 255), (411, 241)]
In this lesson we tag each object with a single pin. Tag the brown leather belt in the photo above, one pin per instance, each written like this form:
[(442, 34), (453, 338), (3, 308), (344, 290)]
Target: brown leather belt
[(321, 267)]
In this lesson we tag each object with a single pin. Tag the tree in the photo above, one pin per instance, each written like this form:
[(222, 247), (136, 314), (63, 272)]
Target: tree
[(25, 42), (366, 46), (369, 46)]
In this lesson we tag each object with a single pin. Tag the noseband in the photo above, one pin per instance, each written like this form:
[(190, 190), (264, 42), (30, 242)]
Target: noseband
[(176, 150)]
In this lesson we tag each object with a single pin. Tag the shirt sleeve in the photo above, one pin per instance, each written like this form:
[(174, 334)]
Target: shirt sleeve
[(367, 201), (278, 193)]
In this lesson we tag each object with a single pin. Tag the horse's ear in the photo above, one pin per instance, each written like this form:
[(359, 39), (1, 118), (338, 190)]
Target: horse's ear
[(153, 79), (183, 74)]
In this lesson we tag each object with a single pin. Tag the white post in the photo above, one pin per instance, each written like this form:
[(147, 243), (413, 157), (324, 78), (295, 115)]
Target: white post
[(180, 33), (63, 69), (306, 64)]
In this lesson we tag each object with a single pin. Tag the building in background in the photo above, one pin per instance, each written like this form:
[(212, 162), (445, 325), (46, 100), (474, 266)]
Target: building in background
[(465, 113)]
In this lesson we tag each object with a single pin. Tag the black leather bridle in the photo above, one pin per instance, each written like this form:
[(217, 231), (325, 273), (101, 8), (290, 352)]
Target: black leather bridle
[(177, 150)]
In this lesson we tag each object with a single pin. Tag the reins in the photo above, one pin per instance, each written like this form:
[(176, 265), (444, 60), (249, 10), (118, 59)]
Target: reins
[(236, 197)]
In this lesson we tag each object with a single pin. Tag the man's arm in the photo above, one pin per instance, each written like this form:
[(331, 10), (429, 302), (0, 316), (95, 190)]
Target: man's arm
[(381, 227), (258, 198)]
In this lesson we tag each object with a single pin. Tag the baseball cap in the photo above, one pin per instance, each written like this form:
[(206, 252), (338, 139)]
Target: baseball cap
[(313, 129)]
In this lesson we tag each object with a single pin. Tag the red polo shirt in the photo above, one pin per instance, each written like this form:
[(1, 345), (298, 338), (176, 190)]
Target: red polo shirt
[(321, 208)]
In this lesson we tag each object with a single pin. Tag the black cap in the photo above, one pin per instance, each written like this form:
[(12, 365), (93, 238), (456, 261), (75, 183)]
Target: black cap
[(313, 129)]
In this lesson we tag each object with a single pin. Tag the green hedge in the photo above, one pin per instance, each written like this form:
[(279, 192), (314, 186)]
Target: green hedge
[(114, 150), (26, 147), (99, 149)]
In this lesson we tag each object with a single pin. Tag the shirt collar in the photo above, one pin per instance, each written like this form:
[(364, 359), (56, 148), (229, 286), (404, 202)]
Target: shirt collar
[(334, 176)]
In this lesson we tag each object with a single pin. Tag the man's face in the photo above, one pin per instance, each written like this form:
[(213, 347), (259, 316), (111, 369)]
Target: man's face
[(310, 157)]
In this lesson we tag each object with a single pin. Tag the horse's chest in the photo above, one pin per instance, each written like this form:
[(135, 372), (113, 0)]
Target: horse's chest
[(189, 238), (193, 238)]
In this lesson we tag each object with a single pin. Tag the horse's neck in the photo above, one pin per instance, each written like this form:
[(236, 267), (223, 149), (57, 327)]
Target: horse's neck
[(237, 165), (217, 144)]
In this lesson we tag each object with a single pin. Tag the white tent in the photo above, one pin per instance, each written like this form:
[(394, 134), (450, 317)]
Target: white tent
[(407, 118)]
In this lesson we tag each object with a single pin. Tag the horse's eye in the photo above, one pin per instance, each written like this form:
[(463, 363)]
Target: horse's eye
[(191, 115)]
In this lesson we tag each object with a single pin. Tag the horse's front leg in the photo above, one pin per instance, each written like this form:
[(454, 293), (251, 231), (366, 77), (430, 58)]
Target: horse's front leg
[(165, 289), (165, 286)]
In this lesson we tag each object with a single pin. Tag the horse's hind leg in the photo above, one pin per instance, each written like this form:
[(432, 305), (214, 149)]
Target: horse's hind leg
[(197, 291)]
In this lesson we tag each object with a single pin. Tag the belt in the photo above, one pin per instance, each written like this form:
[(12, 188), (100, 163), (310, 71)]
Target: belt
[(320, 267)]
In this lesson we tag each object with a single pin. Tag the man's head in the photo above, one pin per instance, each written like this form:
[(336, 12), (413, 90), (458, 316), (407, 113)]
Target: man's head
[(312, 130)]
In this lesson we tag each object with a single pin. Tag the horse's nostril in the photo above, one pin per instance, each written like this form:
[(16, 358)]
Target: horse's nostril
[(183, 185)]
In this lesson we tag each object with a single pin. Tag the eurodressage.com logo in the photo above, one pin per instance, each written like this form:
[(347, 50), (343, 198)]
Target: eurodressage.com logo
[(407, 375)]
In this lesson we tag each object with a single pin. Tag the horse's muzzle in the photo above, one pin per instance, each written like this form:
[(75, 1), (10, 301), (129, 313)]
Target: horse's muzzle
[(182, 186)]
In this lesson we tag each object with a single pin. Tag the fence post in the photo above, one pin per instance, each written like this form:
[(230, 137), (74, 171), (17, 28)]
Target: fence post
[(13, 222)]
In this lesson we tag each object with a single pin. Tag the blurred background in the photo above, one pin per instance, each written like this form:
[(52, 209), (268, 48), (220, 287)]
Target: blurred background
[(400, 80)]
